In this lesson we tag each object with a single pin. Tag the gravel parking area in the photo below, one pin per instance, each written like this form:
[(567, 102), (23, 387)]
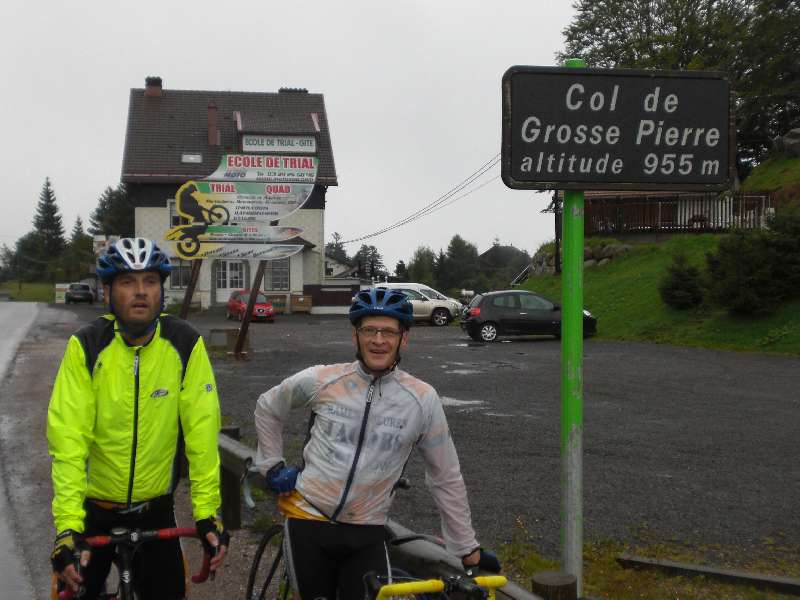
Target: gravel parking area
[(682, 446)]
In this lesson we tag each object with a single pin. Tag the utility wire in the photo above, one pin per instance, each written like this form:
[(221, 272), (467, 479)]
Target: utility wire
[(440, 202)]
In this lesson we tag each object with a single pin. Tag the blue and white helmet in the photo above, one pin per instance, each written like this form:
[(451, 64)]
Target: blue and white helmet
[(129, 255), (381, 302)]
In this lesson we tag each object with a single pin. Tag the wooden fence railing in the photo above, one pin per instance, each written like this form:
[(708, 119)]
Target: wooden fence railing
[(611, 215)]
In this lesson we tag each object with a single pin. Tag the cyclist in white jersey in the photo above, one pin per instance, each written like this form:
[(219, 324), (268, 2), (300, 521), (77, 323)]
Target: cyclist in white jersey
[(366, 418)]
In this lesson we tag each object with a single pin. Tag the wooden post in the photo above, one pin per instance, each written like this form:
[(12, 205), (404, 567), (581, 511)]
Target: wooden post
[(555, 585), (230, 489), (251, 302), (187, 298)]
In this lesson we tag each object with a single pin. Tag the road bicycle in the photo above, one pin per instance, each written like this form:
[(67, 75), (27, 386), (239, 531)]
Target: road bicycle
[(126, 542), (453, 586), (269, 580)]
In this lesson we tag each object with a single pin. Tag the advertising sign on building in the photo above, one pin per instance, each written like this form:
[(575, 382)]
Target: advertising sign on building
[(223, 202), (242, 250), (616, 129), (266, 168), (296, 144)]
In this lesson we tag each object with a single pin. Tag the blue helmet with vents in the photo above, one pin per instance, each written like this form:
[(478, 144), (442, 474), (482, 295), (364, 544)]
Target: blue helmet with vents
[(129, 255), (380, 302)]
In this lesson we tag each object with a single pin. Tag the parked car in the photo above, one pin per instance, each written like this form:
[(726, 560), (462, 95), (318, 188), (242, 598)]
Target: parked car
[(426, 308), (516, 312), (79, 292), (237, 307)]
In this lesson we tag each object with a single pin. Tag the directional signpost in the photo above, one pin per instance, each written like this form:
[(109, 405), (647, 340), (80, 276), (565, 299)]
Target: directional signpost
[(576, 128)]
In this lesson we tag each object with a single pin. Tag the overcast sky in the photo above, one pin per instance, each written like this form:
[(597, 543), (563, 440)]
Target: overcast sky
[(412, 91)]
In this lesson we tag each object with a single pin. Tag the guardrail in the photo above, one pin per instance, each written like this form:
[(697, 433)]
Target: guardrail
[(420, 556)]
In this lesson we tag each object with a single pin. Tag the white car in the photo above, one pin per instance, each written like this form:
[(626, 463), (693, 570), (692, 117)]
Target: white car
[(438, 311)]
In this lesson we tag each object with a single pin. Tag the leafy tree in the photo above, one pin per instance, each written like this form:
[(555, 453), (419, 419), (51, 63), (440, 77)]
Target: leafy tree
[(335, 249), (742, 273), (753, 41), (498, 266), (400, 271), (681, 286), (370, 263), (421, 266), (47, 224), (458, 265), (29, 258), (114, 214)]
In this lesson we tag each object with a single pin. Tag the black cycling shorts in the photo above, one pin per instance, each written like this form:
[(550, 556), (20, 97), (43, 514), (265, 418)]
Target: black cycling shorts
[(158, 565), (326, 559)]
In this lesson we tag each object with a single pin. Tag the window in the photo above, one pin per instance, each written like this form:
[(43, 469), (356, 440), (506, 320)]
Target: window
[(174, 217), (535, 302), (180, 274), (507, 301), (276, 275), (236, 274), (222, 275), (413, 295)]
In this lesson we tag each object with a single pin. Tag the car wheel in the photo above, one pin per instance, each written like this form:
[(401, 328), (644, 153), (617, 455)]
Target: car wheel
[(488, 332), (440, 317)]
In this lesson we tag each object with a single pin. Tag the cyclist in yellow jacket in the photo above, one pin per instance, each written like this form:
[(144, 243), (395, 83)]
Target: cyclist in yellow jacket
[(133, 387)]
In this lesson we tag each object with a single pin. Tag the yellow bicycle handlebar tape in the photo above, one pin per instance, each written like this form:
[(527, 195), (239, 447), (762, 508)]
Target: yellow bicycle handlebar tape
[(491, 581), (412, 587)]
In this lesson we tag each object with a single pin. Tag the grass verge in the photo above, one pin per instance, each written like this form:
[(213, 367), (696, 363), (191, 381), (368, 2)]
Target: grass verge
[(624, 296), (29, 292)]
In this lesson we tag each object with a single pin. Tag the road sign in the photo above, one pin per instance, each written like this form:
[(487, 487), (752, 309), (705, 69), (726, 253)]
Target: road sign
[(615, 129)]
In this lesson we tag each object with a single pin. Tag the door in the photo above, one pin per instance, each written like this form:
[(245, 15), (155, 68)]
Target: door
[(505, 312), (537, 315), (420, 304), (230, 277)]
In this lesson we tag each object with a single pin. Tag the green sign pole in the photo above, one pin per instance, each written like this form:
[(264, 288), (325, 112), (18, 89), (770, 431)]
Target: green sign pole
[(572, 381)]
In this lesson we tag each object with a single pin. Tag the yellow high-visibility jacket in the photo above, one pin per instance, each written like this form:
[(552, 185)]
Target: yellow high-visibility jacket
[(118, 414)]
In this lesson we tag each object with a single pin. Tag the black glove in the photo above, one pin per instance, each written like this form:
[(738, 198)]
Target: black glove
[(212, 525), (67, 549), (488, 562)]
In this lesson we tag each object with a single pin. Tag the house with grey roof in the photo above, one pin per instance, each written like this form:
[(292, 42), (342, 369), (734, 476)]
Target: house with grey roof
[(176, 136)]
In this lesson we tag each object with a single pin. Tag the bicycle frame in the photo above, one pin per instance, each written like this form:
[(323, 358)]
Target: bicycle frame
[(126, 542)]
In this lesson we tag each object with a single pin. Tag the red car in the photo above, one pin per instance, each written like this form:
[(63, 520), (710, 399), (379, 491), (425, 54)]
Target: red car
[(237, 306)]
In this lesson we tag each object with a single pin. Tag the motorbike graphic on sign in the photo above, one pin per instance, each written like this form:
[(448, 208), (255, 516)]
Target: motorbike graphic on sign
[(224, 212)]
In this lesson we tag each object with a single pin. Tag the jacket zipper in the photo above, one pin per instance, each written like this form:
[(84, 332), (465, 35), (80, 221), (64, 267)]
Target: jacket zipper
[(135, 424), (350, 477)]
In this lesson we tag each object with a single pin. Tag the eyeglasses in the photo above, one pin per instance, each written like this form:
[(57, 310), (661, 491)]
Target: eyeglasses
[(372, 332)]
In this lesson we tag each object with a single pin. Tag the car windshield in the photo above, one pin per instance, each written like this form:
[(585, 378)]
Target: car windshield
[(79, 287), (260, 299)]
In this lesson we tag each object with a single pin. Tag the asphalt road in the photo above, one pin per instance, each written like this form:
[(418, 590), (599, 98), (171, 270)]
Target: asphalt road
[(687, 447)]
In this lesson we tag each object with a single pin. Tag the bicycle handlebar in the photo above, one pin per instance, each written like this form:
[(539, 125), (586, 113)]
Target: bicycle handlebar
[(134, 537)]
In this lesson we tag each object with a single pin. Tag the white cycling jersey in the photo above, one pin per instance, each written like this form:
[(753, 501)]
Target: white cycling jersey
[(362, 432)]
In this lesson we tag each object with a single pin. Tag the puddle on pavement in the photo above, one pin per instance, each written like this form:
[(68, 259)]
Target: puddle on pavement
[(448, 401)]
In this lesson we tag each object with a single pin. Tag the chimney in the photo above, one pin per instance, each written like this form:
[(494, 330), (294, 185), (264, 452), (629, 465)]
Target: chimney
[(152, 87), (213, 130)]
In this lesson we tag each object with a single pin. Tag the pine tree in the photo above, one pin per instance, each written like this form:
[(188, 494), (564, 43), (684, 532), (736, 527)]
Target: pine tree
[(47, 223)]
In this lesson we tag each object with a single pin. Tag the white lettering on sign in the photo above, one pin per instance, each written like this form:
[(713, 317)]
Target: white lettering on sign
[(561, 138)]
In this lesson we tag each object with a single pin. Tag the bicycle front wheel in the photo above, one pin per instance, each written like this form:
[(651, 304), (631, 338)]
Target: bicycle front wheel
[(267, 579)]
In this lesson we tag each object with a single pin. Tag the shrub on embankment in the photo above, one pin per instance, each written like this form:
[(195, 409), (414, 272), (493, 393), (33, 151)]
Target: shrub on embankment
[(624, 296)]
